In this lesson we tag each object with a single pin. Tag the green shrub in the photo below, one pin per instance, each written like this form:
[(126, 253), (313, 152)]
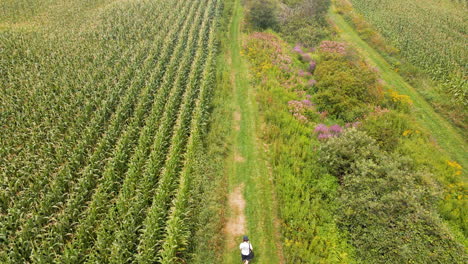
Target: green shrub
[(262, 14), (345, 89), (299, 29), (310, 10), (303, 21), (339, 154), (448, 173), (386, 127), (385, 204)]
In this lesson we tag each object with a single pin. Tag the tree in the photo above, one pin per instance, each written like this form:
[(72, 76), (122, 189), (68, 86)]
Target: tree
[(263, 14)]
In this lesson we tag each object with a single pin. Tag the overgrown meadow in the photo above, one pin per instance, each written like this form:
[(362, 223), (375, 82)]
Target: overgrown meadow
[(356, 176)]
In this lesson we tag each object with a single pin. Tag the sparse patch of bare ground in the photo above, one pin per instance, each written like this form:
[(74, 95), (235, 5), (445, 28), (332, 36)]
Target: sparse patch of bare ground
[(237, 118), (236, 223), (238, 158)]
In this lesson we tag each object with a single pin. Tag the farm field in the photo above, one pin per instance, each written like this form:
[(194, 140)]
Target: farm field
[(103, 107), (430, 35), (163, 131)]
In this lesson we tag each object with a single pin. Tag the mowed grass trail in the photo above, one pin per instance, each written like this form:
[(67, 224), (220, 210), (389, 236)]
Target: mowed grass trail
[(246, 168), (447, 137)]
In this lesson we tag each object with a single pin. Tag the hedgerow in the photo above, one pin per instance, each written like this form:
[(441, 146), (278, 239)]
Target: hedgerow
[(386, 205)]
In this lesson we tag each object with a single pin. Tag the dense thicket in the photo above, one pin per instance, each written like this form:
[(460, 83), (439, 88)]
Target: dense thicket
[(263, 14), (387, 206), (303, 21), (346, 89)]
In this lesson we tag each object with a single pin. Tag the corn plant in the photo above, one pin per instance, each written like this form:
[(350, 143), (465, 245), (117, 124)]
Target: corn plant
[(98, 117), (429, 34)]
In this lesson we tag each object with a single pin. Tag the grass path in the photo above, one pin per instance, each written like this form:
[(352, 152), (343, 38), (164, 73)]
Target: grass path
[(249, 180), (447, 136)]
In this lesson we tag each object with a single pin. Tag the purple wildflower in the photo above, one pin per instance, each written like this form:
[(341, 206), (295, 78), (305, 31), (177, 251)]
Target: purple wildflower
[(306, 57), (321, 128), (335, 129), (333, 47), (324, 136), (311, 83), (300, 117), (298, 49), (312, 66), (307, 102), (355, 124)]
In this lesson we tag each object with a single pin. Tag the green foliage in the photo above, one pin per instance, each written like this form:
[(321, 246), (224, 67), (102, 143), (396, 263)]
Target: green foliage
[(424, 43), (117, 115), (306, 193), (340, 154), (386, 127), (386, 205), (314, 10), (449, 173), (435, 68), (297, 29), (303, 21), (262, 14), (345, 89)]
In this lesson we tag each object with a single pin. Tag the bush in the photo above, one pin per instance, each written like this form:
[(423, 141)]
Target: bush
[(301, 30), (312, 10), (303, 21), (386, 127), (262, 14), (345, 89), (385, 205), (339, 154)]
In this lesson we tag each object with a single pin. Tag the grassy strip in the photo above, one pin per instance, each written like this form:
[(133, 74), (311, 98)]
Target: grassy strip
[(251, 170)]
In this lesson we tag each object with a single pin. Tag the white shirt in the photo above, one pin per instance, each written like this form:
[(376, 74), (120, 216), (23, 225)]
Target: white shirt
[(245, 248)]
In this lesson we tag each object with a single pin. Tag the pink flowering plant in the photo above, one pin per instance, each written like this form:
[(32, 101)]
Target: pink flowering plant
[(335, 47), (302, 110), (312, 65), (324, 132)]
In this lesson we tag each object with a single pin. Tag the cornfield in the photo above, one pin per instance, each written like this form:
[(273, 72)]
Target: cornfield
[(102, 110), (429, 34)]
